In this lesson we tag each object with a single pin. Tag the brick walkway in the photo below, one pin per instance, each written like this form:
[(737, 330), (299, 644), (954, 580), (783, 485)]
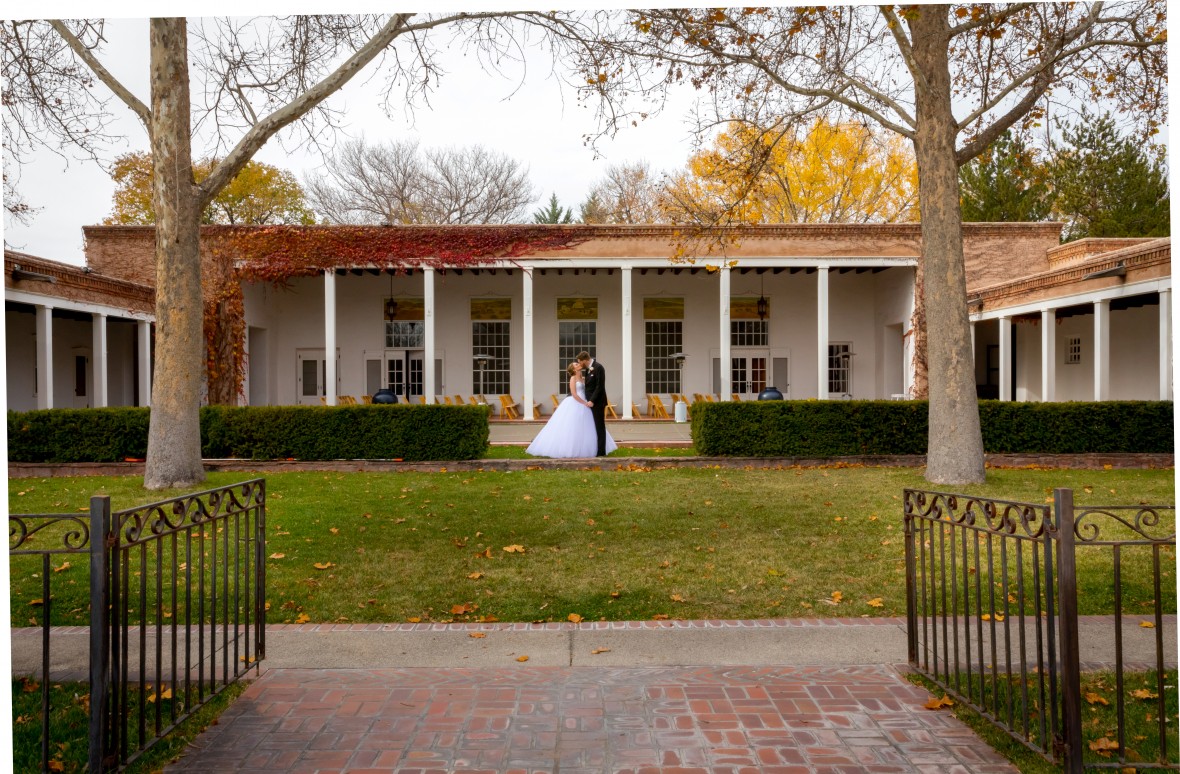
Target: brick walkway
[(584, 720)]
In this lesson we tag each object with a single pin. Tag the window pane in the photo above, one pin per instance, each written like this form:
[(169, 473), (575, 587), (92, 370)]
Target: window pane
[(491, 339), (839, 368), (405, 335), (572, 338), (749, 333), (662, 340)]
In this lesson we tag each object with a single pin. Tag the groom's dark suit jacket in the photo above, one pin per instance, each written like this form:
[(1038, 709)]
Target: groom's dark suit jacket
[(596, 386)]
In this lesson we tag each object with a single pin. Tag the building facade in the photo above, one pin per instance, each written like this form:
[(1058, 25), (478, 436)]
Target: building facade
[(817, 311)]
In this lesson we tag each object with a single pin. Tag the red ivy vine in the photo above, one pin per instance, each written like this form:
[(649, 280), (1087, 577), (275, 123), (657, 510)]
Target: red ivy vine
[(276, 254)]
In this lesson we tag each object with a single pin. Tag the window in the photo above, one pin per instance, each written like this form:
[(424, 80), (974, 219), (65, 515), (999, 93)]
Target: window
[(1073, 350), (839, 369), (748, 333), (663, 336), (406, 328), (490, 335), (577, 331)]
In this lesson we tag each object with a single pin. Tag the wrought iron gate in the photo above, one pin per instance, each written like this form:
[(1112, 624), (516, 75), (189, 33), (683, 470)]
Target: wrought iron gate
[(992, 609)]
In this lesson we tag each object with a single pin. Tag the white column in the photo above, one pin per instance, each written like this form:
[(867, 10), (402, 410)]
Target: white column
[(44, 357), (145, 363), (1166, 344), (330, 336), (526, 407), (98, 350), (1048, 355), (626, 342), (726, 342), (1102, 350), (429, 388), (821, 331), (1006, 358), (972, 324)]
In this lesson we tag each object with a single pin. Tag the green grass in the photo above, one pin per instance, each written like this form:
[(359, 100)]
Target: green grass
[(616, 545), (69, 727), (1099, 719)]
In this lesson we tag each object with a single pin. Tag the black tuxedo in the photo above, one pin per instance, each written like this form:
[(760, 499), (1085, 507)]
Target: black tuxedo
[(596, 393)]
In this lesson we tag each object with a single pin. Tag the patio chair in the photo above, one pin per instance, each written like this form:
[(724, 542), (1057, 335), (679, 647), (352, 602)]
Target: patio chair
[(447, 400), (422, 399), (610, 409), (345, 400), (658, 407), (508, 407), (698, 398), (439, 400), (323, 401), (556, 401), (367, 400), (635, 412), (737, 398), (459, 401)]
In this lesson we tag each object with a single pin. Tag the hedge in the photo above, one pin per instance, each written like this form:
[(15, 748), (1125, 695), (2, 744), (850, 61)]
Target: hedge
[(412, 433), (844, 428)]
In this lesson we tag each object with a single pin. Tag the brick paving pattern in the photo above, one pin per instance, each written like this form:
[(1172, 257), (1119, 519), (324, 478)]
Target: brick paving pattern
[(584, 720)]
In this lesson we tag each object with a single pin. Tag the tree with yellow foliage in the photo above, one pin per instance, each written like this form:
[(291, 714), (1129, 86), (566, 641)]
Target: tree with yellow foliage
[(829, 172), (259, 195)]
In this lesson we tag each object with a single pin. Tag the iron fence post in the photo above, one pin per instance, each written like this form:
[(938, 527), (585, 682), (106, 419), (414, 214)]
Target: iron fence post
[(1067, 590), (100, 517), (260, 569), (911, 599)]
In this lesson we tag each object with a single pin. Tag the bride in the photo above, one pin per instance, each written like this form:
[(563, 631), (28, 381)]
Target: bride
[(570, 430)]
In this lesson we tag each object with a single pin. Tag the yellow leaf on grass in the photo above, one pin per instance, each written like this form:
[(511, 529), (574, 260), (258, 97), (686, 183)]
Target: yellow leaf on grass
[(574, 618), (477, 635), (875, 602), (475, 575), (514, 549), (278, 556), (415, 619), (1103, 745), (463, 609), (64, 566), (36, 602), (1094, 698), (935, 704), (522, 659), (302, 618), (677, 598), (837, 596), (56, 765), (1143, 693), (485, 554), (333, 530), (323, 565)]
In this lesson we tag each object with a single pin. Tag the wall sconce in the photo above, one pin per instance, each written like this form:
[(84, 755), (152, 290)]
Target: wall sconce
[(763, 304), (390, 303)]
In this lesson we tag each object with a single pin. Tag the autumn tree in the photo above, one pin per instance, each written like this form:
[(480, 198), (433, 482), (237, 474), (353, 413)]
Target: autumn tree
[(823, 173), (260, 195), (1008, 183), (626, 193), (950, 79), (259, 77), (1109, 185), (553, 213), (399, 183)]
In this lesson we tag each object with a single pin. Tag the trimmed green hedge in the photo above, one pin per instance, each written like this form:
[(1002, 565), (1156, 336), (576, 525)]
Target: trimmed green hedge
[(412, 433), (843, 428)]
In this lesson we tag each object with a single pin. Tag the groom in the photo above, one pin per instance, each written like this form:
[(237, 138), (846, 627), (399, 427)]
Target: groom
[(595, 376)]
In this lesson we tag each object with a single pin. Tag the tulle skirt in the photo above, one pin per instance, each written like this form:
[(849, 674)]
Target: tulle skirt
[(569, 433)]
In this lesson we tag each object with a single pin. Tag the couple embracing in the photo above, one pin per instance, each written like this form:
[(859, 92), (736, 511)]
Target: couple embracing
[(578, 425)]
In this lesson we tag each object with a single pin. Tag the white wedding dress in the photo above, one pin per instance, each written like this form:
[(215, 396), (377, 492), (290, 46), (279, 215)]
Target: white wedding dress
[(569, 431)]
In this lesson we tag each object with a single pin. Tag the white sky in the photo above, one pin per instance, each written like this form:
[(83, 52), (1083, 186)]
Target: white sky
[(531, 118)]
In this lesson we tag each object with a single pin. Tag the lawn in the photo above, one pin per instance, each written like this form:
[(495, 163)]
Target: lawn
[(615, 544)]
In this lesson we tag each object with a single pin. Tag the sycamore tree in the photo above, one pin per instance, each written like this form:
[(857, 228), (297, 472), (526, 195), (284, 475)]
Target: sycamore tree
[(258, 77), (949, 79), (825, 172), (261, 194)]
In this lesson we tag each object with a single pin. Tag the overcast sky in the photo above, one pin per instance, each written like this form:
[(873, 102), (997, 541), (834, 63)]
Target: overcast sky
[(529, 117)]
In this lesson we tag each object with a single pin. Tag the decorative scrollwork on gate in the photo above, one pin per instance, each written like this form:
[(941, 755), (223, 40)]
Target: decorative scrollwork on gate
[(1001, 517), (1145, 521), (155, 519), (23, 527)]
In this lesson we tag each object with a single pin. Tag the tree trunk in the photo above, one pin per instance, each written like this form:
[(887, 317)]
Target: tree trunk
[(174, 436), (954, 452)]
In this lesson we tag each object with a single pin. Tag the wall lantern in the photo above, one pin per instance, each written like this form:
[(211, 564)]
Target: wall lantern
[(390, 303), (763, 306)]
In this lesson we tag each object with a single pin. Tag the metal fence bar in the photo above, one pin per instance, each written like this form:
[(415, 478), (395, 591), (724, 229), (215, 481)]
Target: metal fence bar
[(1071, 692), (100, 520)]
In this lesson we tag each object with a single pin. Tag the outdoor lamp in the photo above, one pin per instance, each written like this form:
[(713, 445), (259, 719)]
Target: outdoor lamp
[(763, 305), (482, 361)]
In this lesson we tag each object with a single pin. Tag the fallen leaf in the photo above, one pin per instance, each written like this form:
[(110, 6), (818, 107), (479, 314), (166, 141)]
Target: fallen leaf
[(477, 635), (36, 602), (278, 556), (323, 565), (415, 619), (574, 618), (596, 651), (875, 602), (56, 765), (475, 575), (1094, 698), (333, 530), (64, 566), (837, 596), (1147, 624), (514, 549), (463, 609), (522, 659), (1143, 693), (935, 704), (485, 554), (1103, 745), (302, 618), (677, 598)]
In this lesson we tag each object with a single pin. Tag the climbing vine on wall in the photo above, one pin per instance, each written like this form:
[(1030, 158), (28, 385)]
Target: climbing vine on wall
[(277, 254)]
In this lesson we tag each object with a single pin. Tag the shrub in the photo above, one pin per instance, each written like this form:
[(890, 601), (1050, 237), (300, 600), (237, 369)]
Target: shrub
[(845, 428), (412, 433)]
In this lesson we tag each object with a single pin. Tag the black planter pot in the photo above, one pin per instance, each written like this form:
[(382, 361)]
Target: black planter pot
[(770, 393), (384, 396)]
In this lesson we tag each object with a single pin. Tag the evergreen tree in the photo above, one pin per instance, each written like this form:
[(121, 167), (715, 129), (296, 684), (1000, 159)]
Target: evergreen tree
[(553, 214), (1007, 183), (1108, 185)]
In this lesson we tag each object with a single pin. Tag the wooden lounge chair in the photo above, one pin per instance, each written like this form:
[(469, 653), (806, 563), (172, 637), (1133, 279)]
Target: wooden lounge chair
[(367, 400), (345, 400), (508, 407), (556, 400), (610, 409), (447, 400), (737, 398), (439, 400), (657, 406), (459, 401), (635, 412)]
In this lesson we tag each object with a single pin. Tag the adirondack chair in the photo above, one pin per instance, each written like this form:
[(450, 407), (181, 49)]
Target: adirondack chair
[(508, 407), (657, 406)]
